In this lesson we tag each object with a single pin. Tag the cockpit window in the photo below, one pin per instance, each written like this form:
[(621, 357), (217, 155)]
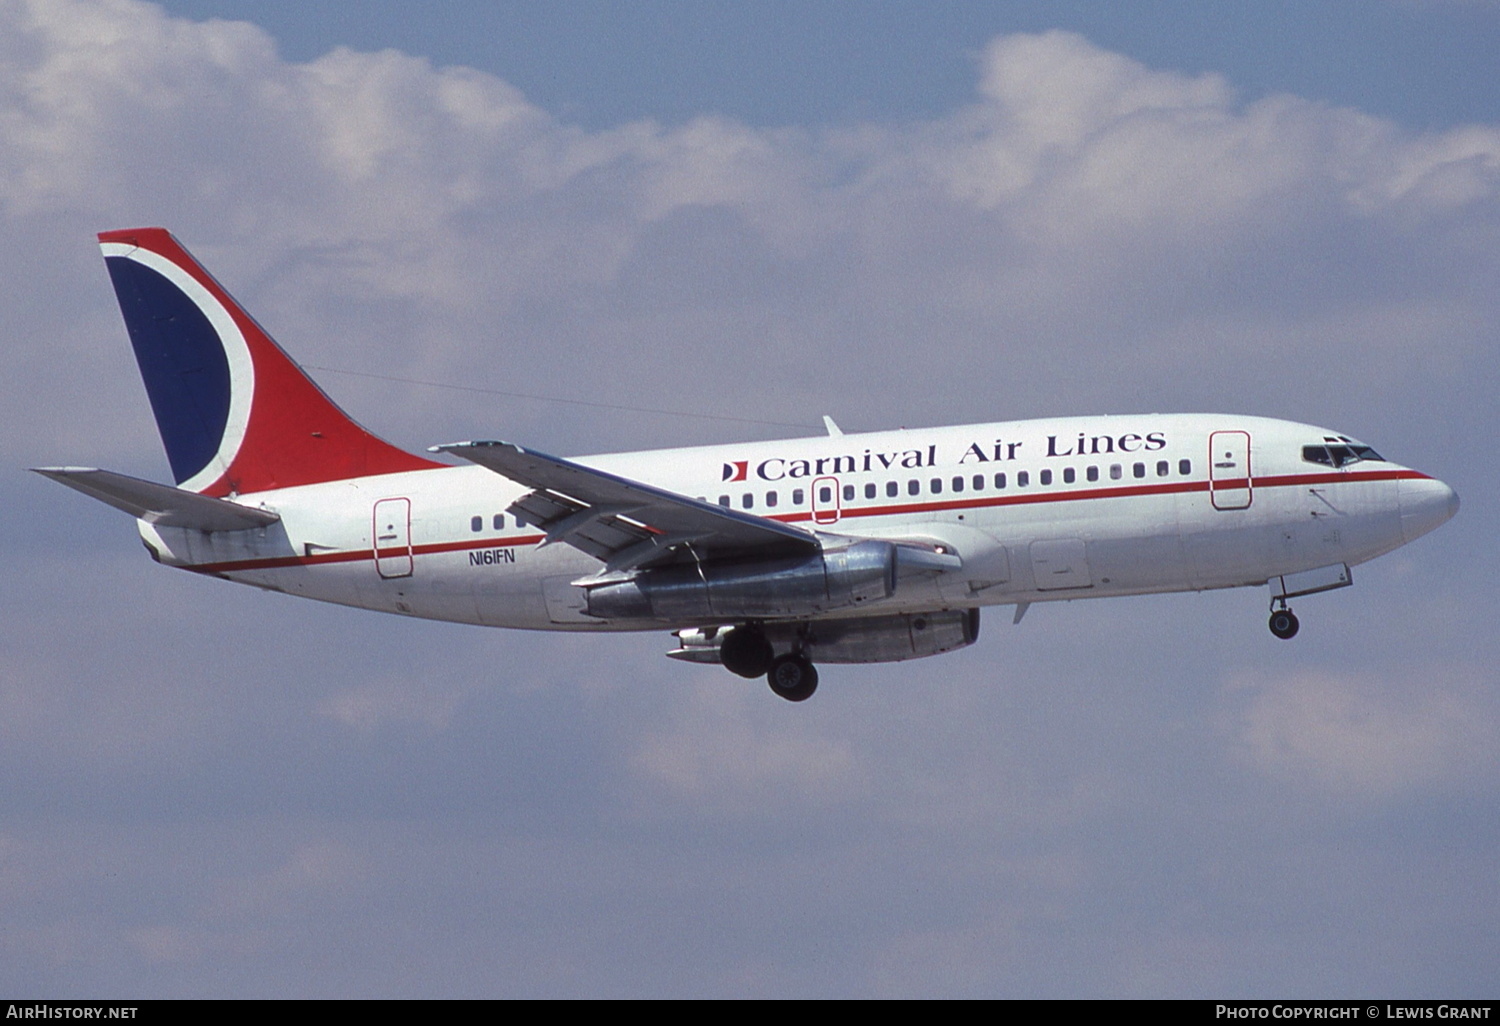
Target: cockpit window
[(1341, 454)]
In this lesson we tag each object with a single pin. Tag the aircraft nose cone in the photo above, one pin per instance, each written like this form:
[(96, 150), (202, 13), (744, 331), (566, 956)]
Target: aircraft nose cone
[(1426, 503)]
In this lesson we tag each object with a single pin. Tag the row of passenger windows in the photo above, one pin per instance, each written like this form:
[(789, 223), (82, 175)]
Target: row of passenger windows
[(935, 486), (960, 483)]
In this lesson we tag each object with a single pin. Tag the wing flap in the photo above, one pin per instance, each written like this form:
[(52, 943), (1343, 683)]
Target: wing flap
[(158, 503), (596, 530)]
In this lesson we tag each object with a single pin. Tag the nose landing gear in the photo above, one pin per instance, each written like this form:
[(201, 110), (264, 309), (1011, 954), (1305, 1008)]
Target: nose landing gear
[(1284, 623)]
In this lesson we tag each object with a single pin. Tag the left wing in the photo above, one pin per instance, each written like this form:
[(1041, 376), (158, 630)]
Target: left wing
[(625, 523)]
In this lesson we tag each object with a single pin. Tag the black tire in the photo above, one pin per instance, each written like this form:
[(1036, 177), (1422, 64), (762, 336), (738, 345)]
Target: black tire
[(1284, 624), (793, 677), (745, 651)]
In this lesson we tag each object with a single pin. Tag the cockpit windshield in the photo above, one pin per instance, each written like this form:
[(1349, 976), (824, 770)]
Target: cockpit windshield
[(1339, 452)]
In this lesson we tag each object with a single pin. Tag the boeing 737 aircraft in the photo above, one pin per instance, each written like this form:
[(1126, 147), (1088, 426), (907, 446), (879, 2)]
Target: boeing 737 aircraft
[(766, 557)]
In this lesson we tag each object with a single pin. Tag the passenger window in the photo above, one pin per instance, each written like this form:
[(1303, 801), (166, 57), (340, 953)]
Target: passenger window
[(999, 480), (1116, 472), (870, 490), (724, 501), (891, 489), (476, 523), (1184, 467), (499, 521), (914, 487), (1139, 470), (1068, 476), (1163, 468), (797, 496), (748, 501), (1092, 474), (848, 492), (958, 484), (825, 494), (979, 482), (1046, 477), (771, 500), (1023, 479), (937, 485)]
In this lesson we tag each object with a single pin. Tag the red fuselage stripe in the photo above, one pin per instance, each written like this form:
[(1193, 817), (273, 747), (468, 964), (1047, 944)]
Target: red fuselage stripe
[(1044, 494)]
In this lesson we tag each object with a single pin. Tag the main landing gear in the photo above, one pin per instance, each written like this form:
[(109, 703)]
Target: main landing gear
[(746, 652), (793, 677), (1284, 622)]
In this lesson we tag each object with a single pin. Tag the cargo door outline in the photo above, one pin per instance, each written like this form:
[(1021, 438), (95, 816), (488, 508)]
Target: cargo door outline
[(1060, 564), (390, 530), (1230, 484)]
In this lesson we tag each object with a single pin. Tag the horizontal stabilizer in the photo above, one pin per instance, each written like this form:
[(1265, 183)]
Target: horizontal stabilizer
[(158, 503)]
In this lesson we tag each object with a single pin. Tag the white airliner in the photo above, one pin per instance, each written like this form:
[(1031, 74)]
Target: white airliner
[(764, 557)]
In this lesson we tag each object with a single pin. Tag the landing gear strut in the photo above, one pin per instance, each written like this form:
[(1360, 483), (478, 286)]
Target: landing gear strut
[(1283, 621), (793, 677)]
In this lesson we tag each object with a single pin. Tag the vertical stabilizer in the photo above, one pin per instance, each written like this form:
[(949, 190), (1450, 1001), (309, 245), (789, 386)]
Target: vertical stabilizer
[(236, 414)]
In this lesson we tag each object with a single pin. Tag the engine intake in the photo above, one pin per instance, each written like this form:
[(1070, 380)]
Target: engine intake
[(853, 575)]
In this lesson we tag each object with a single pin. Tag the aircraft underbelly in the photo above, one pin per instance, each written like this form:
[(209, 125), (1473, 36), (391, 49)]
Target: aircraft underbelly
[(1289, 530)]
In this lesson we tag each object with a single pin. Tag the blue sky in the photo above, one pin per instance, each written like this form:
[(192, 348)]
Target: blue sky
[(909, 217), (801, 62)]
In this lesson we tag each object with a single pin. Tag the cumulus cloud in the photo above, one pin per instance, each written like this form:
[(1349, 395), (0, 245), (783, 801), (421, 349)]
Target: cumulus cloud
[(718, 755), (1370, 736), (383, 214), (367, 707)]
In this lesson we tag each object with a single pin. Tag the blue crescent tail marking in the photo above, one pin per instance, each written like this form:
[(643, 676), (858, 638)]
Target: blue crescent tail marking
[(182, 361)]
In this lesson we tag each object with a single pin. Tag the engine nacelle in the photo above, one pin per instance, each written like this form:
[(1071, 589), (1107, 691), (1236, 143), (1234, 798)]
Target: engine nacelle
[(866, 639), (856, 574), (883, 639)]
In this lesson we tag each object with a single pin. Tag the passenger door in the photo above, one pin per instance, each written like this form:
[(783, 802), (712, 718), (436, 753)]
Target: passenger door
[(1229, 479), (391, 537)]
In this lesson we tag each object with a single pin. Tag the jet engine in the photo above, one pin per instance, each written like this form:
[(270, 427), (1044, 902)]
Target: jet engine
[(849, 576), (866, 639)]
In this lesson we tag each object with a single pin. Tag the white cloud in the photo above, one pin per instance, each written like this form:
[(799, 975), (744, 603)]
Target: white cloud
[(382, 214), (429, 704), (1370, 736), (717, 753)]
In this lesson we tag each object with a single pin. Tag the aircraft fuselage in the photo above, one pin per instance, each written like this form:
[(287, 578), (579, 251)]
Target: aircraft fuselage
[(1037, 511)]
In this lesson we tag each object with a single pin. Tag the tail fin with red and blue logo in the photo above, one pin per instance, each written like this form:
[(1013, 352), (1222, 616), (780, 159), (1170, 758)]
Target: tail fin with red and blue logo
[(236, 414)]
